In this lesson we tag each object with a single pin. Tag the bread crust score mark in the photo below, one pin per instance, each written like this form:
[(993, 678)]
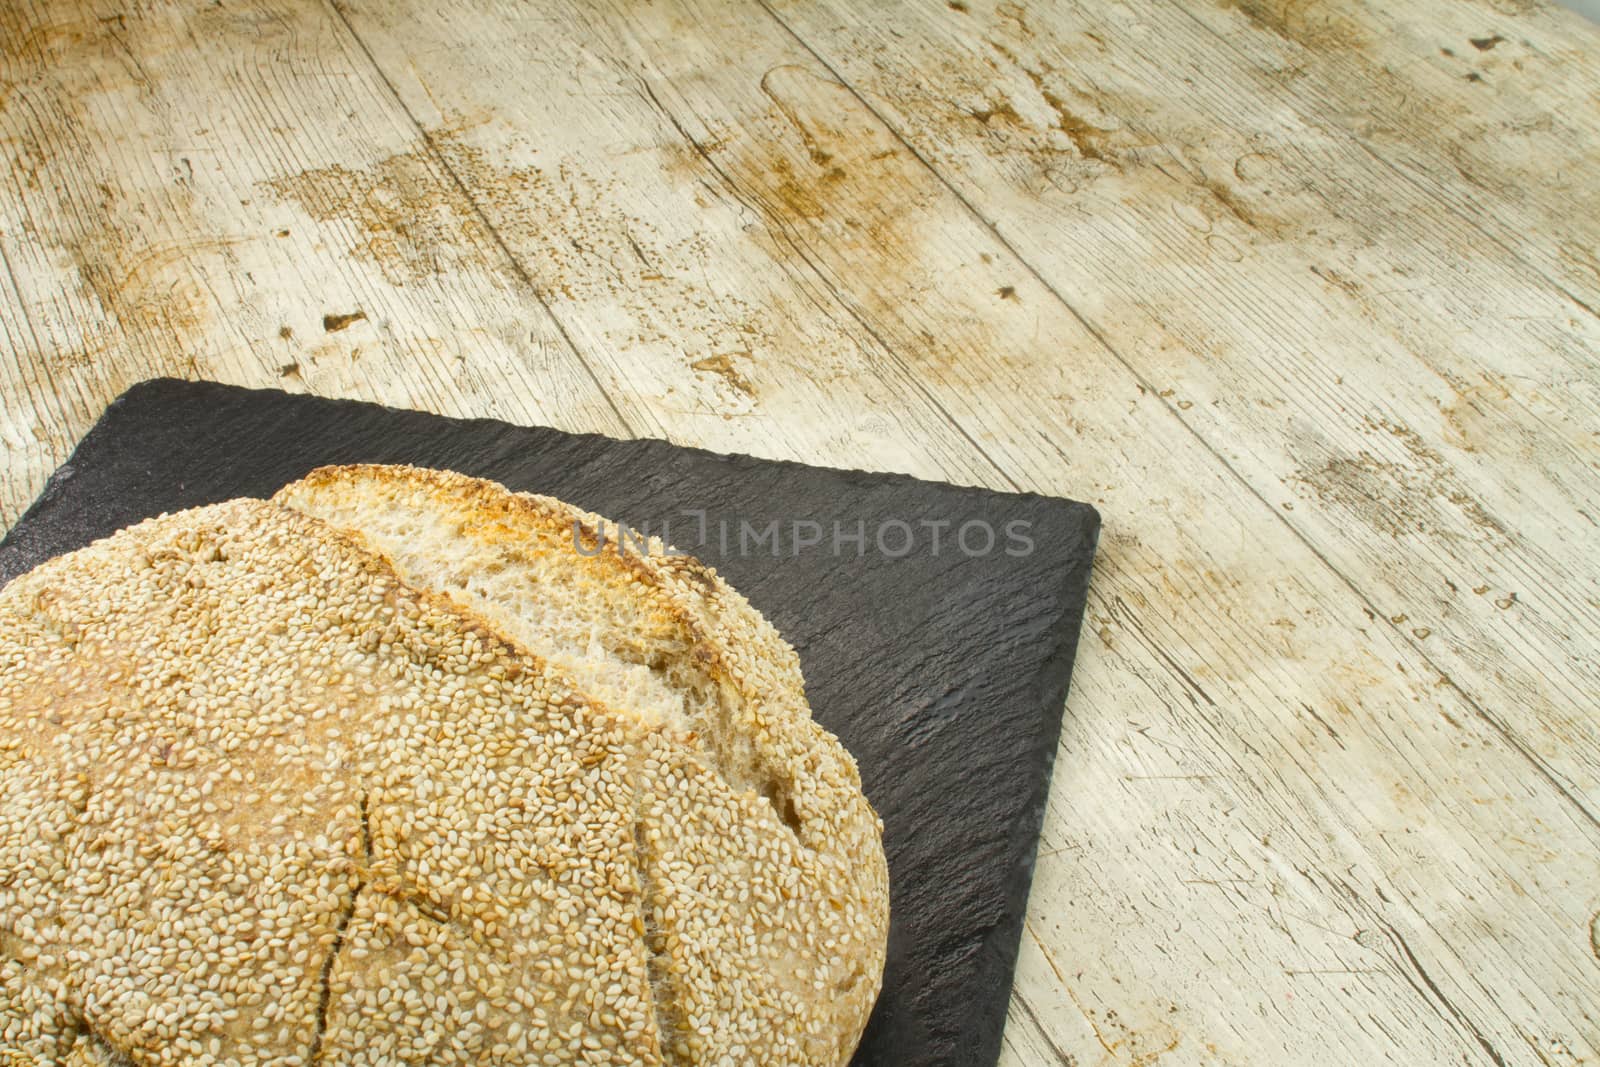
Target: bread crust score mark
[(630, 878), (192, 713), (761, 860)]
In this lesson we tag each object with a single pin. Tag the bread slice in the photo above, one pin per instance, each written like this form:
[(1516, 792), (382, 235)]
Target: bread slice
[(262, 802), (762, 861)]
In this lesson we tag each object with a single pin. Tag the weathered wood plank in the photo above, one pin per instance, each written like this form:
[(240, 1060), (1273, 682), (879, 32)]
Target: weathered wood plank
[(25, 427), (1261, 788), (143, 236), (1340, 338), (672, 305), (1491, 107)]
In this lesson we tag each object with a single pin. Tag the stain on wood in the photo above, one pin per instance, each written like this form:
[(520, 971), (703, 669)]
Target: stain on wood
[(333, 323), (723, 367), (411, 220), (1317, 27)]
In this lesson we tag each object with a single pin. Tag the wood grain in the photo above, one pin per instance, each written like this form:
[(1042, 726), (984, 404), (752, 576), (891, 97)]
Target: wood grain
[(142, 236), (1488, 106), (1312, 804), (1386, 384)]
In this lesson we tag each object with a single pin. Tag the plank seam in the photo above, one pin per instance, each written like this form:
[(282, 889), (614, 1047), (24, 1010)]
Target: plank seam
[(1505, 732), (512, 261), (1340, 133), (860, 320)]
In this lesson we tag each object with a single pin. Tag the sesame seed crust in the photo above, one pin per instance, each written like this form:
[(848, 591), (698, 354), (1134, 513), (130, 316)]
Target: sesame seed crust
[(261, 801), (760, 859)]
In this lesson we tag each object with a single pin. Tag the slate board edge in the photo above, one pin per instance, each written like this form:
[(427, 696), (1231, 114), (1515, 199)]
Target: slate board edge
[(1054, 682), (132, 395)]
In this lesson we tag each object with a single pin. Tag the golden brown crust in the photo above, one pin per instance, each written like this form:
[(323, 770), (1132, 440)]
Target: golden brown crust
[(261, 800), (735, 644), (753, 829)]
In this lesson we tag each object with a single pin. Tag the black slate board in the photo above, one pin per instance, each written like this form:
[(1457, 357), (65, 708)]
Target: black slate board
[(943, 672)]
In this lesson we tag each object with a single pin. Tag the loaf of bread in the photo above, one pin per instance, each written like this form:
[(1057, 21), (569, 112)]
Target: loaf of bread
[(386, 772), (762, 863)]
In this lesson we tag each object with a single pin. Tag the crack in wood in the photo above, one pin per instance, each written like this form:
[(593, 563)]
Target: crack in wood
[(1411, 969), (518, 269), (1062, 1059)]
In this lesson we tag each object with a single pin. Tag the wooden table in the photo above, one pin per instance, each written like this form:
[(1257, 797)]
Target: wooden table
[(1301, 295)]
